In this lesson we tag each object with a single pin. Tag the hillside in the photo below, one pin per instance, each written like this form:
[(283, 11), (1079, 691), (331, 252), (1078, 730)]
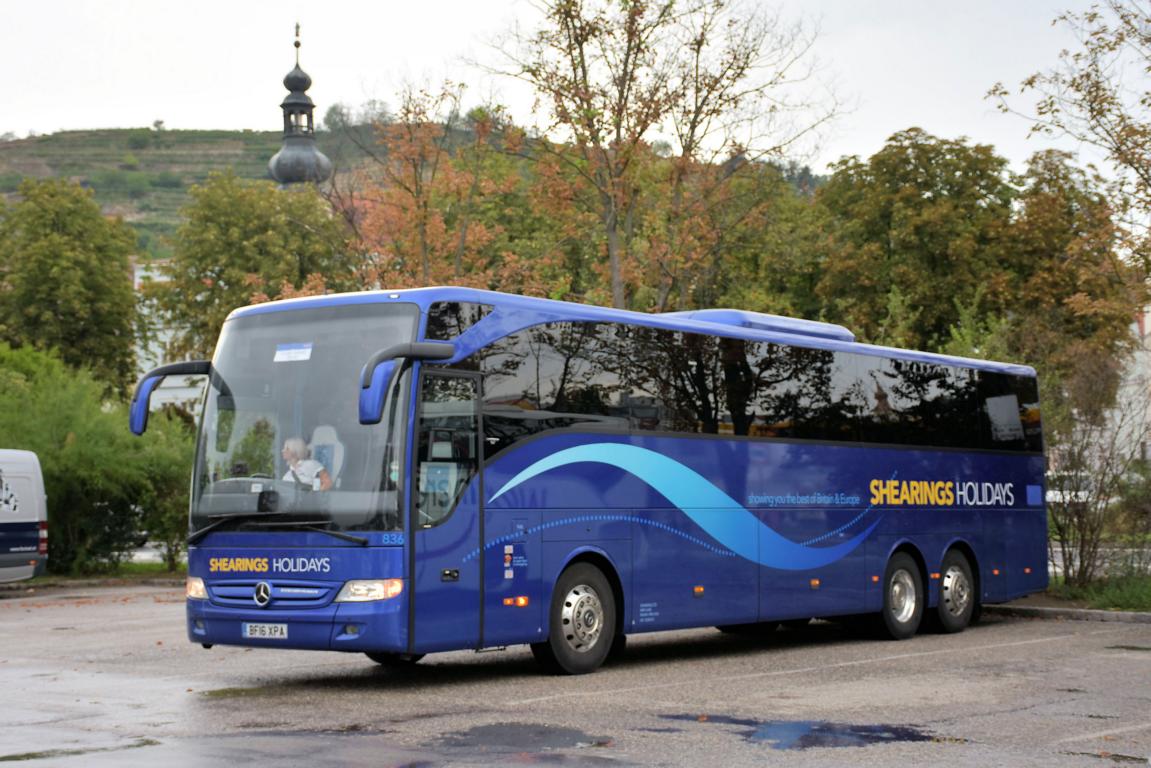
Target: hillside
[(143, 174)]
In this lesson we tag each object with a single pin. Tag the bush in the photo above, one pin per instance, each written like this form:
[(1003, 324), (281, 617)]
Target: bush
[(167, 180), (140, 138), (101, 481)]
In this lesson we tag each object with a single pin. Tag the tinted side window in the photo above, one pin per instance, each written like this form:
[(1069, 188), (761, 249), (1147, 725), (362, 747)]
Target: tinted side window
[(548, 377), (619, 378), (804, 393), (448, 319), (912, 402), (1008, 412)]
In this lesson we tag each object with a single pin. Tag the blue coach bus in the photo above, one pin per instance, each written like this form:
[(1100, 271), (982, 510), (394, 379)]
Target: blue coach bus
[(397, 473)]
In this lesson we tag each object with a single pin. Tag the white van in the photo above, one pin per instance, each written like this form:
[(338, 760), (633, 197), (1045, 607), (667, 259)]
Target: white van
[(23, 516)]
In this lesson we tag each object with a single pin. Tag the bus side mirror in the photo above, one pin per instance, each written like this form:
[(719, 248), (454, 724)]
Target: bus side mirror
[(378, 371), (372, 396), (138, 410)]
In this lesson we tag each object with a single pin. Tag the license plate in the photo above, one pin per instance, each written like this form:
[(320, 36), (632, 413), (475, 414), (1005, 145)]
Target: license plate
[(266, 631)]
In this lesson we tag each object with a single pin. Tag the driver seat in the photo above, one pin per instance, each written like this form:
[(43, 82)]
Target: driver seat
[(327, 449)]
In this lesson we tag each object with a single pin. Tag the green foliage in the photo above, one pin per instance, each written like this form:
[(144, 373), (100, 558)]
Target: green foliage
[(65, 282), (167, 180), (129, 162), (926, 215), (128, 183), (241, 238), (166, 462), (256, 450), (1122, 593), (139, 138), (101, 482)]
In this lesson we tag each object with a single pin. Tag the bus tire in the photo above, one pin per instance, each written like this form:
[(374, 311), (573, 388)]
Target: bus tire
[(957, 595), (903, 598), (618, 649), (581, 622), (394, 660)]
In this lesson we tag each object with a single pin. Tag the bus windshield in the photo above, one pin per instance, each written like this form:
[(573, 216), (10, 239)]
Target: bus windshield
[(281, 443)]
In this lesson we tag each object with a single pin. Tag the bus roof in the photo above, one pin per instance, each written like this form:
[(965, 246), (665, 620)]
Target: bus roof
[(511, 312)]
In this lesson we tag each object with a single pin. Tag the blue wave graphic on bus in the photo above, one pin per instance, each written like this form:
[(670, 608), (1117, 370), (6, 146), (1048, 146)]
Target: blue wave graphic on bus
[(724, 519)]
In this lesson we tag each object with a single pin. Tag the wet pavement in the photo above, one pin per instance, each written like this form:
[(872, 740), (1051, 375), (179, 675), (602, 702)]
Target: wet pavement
[(105, 677)]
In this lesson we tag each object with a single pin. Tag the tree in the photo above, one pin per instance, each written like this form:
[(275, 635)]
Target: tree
[(243, 240), (917, 230), (1074, 293), (1098, 94), (450, 204), (612, 74), (101, 482), (166, 457), (65, 279), (1094, 453)]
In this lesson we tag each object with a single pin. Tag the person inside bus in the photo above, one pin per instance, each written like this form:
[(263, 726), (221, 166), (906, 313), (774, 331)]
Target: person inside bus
[(302, 469)]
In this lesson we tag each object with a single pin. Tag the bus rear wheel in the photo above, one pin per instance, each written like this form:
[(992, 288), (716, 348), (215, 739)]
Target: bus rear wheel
[(394, 660), (957, 595), (581, 622), (903, 598)]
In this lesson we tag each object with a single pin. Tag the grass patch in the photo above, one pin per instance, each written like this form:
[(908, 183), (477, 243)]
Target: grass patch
[(127, 572), (1123, 593), (146, 570)]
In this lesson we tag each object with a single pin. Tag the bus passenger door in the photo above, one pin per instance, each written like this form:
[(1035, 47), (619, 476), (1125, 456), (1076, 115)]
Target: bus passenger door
[(446, 515)]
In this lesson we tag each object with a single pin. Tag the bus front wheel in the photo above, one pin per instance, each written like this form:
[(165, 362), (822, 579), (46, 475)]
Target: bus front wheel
[(581, 622), (903, 597)]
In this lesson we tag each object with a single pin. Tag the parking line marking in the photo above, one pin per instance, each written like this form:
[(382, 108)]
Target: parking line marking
[(1101, 734), (802, 670)]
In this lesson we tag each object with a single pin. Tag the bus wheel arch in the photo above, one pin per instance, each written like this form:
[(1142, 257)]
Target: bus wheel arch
[(583, 617)]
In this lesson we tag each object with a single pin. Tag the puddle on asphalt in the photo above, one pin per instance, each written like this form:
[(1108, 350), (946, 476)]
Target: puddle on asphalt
[(804, 734), (526, 742)]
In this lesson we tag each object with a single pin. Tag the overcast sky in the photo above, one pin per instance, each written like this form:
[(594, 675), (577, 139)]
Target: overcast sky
[(215, 64)]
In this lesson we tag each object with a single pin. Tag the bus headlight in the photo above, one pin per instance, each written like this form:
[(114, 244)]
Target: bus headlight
[(368, 590), (194, 589)]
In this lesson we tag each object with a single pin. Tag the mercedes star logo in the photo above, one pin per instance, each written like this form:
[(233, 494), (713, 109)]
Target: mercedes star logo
[(263, 594)]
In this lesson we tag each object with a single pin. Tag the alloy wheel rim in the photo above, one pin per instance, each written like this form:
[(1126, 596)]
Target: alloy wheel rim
[(582, 618), (901, 596), (956, 591)]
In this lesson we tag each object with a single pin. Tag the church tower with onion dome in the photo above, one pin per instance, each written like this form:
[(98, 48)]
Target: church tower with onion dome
[(299, 161)]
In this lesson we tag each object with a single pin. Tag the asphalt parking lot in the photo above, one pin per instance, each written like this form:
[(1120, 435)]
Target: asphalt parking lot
[(105, 676)]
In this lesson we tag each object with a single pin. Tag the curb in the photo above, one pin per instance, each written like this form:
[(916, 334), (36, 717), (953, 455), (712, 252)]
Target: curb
[(1068, 614)]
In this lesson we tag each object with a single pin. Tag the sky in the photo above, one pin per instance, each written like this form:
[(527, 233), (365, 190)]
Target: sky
[(893, 64)]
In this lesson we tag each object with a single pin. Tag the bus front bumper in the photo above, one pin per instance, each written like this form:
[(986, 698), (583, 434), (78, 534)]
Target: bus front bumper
[(372, 626)]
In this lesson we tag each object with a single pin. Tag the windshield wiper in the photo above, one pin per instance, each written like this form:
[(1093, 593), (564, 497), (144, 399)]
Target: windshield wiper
[(313, 525), (218, 520)]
